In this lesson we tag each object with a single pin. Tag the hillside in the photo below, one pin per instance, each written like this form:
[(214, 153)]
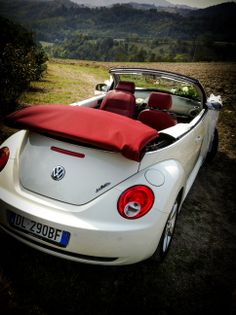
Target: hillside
[(52, 20), (78, 31), (103, 3)]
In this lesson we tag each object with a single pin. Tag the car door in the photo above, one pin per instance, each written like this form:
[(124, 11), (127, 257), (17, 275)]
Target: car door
[(193, 141)]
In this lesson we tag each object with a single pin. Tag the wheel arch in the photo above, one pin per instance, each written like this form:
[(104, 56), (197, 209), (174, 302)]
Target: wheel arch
[(174, 183), (180, 198), (160, 253)]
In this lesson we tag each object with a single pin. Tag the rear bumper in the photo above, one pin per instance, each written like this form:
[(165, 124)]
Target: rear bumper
[(91, 241)]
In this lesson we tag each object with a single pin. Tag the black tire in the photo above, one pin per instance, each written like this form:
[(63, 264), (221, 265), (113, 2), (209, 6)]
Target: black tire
[(167, 235), (214, 147)]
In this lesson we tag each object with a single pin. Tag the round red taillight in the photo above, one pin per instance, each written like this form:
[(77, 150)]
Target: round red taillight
[(135, 202), (4, 156)]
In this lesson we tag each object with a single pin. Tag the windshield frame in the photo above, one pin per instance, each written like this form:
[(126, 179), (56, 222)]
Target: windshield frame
[(117, 72)]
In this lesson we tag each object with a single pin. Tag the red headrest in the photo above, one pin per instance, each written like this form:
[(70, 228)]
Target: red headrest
[(126, 86), (160, 100)]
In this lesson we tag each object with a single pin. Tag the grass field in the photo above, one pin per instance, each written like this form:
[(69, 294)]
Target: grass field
[(65, 82), (199, 273)]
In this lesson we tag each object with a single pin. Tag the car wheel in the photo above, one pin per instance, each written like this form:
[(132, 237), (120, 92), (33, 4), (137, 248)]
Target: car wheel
[(167, 234), (214, 147)]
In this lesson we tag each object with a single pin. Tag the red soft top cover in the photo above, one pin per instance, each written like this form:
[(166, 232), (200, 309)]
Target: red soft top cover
[(96, 127)]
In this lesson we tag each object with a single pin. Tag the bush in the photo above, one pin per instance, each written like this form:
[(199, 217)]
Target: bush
[(21, 61)]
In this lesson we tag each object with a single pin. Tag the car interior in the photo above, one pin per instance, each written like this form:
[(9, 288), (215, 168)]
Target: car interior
[(159, 110)]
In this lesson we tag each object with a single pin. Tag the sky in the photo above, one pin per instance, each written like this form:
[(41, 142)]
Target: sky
[(198, 3)]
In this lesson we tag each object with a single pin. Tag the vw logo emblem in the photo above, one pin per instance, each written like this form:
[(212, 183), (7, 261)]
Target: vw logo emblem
[(58, 172)]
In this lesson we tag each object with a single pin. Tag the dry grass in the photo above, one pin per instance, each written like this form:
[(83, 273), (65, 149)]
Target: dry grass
[(65, 82), (199, 274)]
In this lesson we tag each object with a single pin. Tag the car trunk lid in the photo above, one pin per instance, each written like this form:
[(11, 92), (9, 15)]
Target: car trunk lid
[(70, 172)]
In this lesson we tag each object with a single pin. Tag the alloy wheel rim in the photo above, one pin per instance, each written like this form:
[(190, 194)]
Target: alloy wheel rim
[(170, 226)]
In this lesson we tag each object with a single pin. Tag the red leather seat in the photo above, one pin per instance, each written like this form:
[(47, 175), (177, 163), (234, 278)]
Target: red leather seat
[(126, 86), (156, 116), (121, 100)]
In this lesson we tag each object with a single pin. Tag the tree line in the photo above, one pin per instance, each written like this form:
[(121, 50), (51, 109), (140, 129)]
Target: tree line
[(125, 33), (135, 49)]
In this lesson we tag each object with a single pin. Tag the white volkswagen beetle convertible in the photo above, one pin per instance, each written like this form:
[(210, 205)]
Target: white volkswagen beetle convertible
[(102, 181)]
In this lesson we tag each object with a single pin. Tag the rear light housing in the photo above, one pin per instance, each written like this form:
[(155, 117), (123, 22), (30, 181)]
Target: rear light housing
[(135, 202), (4, 156)]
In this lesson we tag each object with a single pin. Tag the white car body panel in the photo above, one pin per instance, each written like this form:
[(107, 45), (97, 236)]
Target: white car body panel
[(90, 102), (92, 223), (85, 177)]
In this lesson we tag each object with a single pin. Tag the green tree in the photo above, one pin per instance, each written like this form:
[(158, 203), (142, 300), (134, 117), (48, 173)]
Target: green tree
[(21, 61)]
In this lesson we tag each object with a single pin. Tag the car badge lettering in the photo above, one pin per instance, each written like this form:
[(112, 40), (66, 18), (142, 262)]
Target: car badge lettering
[(58, 173), (102, 187)]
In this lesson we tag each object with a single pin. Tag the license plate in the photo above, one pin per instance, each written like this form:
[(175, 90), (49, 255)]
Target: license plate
[(39, 230)]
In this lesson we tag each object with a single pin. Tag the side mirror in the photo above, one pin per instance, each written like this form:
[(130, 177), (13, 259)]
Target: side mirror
[(101, 87), (214, 102)]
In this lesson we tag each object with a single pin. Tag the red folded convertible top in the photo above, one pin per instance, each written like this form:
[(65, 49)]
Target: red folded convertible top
[(96, 127)]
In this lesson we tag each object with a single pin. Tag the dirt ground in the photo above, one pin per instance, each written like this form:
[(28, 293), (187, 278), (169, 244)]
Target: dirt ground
[(199, 273)]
